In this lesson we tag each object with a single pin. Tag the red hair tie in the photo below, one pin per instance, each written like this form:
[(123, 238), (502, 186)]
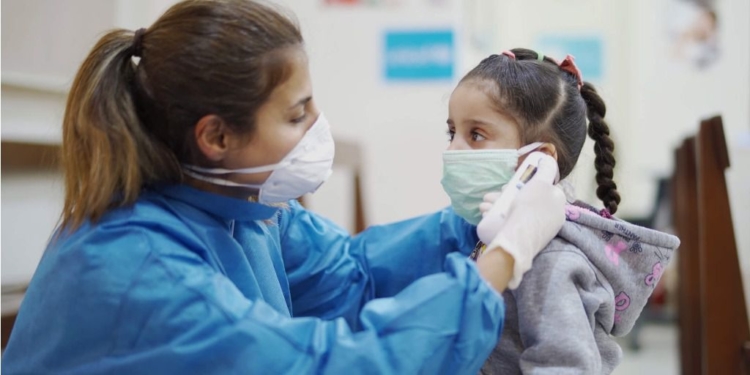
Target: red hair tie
[(569, 65), (509, 54)]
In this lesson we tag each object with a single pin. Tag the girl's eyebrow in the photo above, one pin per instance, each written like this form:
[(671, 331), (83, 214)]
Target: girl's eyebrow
[(478, 122), (471, 122)]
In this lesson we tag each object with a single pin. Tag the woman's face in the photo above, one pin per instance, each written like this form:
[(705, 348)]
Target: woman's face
[(474, 122), (281, 122)]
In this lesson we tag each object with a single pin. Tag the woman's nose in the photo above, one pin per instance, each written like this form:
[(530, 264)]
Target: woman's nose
[(315, 113)]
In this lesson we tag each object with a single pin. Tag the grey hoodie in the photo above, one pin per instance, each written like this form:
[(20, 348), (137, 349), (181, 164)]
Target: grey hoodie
[(588, 285)]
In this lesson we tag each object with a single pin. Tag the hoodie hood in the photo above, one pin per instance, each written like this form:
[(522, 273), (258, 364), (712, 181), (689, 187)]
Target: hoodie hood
[(631, 258)]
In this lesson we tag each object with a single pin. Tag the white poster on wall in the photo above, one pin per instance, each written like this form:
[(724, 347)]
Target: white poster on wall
[(693, 32)]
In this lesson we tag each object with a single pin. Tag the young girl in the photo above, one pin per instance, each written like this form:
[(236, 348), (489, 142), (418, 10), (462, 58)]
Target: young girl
[(181, 249), (591, 282)]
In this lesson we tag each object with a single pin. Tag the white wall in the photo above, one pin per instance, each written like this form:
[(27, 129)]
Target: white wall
[(43, 42), (671, 97), (31, 204)]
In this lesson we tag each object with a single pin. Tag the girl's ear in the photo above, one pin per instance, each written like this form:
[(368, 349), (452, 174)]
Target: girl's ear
[(549, 149)]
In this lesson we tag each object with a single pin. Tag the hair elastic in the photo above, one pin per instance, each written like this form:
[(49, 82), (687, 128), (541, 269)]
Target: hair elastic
[(509, 54), (138, 42), (569, 65)]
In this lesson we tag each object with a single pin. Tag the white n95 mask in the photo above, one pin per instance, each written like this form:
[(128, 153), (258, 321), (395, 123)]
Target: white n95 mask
[(470, 174), (301, 171)]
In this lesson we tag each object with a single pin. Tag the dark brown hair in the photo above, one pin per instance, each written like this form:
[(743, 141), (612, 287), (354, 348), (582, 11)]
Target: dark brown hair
[(546, 103), (128, 124)]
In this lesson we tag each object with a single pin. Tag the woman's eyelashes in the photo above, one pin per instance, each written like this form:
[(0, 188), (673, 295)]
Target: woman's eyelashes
[(451, 133), (299, 119)]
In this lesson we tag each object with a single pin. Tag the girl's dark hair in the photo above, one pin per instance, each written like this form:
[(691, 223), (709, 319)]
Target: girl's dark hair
[(548, 106), (128, 124)]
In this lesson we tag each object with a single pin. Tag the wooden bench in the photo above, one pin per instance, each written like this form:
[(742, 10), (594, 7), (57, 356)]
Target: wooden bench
[(713, 321), (348, 156)]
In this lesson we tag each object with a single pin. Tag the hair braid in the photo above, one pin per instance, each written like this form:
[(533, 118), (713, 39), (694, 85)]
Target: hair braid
[(603, 148)]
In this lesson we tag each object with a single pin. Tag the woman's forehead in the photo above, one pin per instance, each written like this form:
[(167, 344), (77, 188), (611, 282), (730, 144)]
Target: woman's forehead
[(298, 84)]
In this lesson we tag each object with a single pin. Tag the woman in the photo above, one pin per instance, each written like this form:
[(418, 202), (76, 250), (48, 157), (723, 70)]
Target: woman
[(181, 248)]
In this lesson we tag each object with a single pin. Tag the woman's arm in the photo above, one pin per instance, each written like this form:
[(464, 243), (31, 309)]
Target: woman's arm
[(332, 274), (174, 314), (326, 266), (497, 268)]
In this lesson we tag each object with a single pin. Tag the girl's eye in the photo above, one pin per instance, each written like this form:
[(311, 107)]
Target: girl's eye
[(451, 133), (476, 137)]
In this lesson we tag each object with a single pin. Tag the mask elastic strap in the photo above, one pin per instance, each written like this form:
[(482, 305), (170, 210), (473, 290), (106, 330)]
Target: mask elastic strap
[(219, 171), (529, 148), (219, 181), (265, 168)]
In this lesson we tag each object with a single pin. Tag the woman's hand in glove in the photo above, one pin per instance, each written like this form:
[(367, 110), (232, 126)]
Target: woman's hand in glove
[(534, 219)]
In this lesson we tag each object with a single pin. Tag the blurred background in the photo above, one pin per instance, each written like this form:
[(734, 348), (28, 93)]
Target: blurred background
[(383, 71)]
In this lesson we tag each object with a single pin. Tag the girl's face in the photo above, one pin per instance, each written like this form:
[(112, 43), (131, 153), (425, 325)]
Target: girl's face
[(475, 123)]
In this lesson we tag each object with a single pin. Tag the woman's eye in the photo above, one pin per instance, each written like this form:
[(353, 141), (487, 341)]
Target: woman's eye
[(476, 137), (300, 119)]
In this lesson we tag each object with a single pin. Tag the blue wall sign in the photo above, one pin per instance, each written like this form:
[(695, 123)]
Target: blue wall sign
[(588, 51), (419, 55)]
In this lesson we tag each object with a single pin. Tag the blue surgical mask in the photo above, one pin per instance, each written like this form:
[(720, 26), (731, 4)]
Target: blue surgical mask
[(468, 175)]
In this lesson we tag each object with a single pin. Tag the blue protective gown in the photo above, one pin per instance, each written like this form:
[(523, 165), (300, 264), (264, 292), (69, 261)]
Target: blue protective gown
[(186, 281)]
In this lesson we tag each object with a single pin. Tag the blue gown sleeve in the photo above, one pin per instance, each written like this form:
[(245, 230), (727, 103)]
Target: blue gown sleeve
[(173, 314), (332, 274)]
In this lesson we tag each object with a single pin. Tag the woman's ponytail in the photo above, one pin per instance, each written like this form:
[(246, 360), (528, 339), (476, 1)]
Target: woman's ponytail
[(107, 155)]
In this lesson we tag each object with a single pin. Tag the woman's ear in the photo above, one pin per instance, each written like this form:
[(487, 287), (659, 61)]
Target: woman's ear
[(549, 149), (211, 137)]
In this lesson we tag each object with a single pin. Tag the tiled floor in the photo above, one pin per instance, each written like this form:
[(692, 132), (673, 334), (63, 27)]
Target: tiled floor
[(658, 353)]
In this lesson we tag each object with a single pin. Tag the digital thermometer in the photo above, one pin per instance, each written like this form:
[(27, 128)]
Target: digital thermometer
[(495, 217)]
